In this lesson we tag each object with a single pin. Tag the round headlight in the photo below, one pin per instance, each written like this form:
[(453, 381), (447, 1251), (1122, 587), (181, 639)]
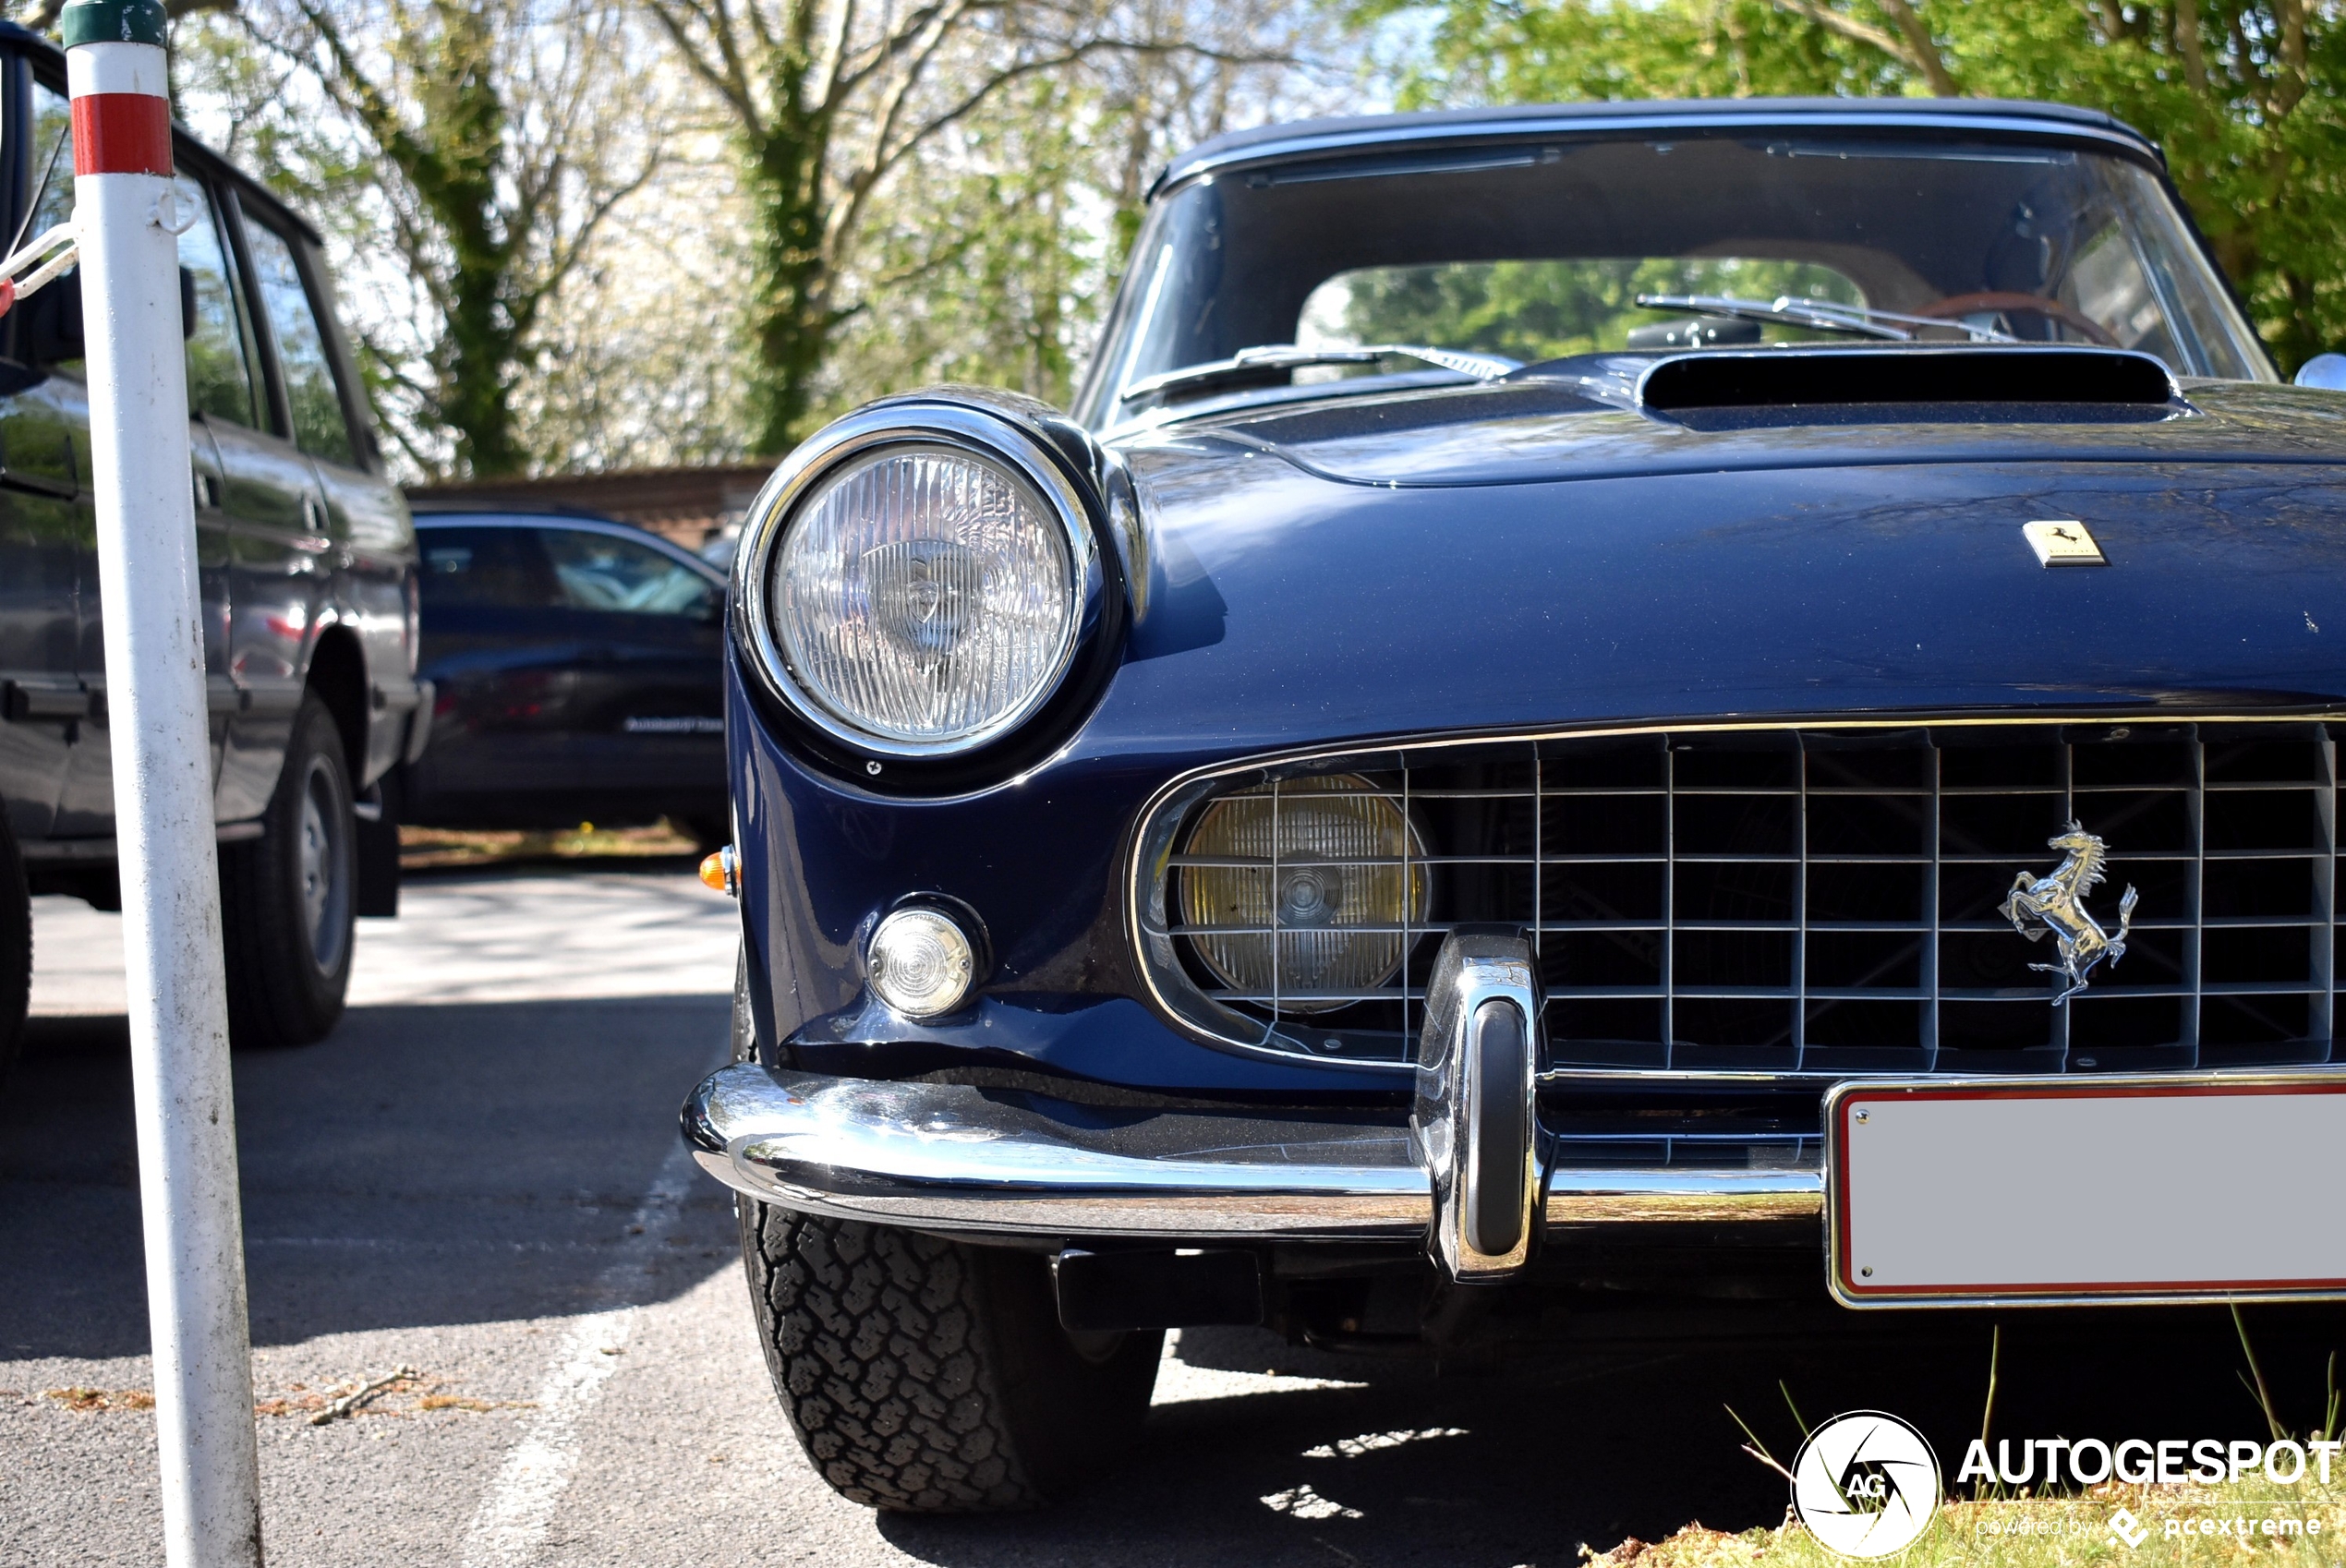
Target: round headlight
[(1331, 881), (924, 598)]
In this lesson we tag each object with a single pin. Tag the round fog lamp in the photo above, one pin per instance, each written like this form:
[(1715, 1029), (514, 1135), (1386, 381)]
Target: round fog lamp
[(920, 963), (1301, 897)]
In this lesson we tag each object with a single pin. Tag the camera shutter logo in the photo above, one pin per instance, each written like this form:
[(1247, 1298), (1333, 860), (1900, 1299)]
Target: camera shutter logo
[(1865, 1484)]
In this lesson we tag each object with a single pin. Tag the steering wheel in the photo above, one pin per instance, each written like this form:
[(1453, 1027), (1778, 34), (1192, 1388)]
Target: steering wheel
[(1957, 305)]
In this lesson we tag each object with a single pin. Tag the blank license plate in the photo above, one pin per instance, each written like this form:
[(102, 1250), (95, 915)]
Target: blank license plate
[(2117, 1190)]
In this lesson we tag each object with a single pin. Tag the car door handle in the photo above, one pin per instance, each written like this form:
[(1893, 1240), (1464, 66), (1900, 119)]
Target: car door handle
[(313, 514), (207, 491)]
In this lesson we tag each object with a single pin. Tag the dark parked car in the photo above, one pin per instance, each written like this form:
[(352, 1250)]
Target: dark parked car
[(308, 579), (1536, 758), (579, 669)]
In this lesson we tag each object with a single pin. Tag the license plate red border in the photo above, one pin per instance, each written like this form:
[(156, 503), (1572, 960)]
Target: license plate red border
[(1846, 1097)]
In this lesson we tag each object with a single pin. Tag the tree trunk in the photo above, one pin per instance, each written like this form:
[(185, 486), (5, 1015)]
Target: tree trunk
[(476, 399), (790, 318)]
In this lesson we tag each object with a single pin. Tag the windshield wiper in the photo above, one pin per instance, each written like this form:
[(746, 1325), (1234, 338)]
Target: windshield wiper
[(1818, 315), (1248, 363)]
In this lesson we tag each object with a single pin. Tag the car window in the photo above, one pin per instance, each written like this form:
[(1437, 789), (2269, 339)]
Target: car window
[(220, 354), (488, 568), (52, 167), (1534, 310), (220, 344), (1533, 249), (52, 157), (602, 571), (318, 426)]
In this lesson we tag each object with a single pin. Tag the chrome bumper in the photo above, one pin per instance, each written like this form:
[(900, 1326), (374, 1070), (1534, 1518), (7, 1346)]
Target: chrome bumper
[(948, 1157)]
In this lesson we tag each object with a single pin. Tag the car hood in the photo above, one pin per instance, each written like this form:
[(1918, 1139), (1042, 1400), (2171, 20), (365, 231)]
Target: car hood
[(1522, 556), (1588, 426)]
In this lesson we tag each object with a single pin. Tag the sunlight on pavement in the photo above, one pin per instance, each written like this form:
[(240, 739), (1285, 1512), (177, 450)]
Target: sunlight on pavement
[(477, 937)]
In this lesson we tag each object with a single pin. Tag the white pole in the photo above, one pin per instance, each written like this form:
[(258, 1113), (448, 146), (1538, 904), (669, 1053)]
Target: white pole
[(128, 221)]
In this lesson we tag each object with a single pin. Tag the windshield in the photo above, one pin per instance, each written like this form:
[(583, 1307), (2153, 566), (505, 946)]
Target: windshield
[(1539, 250)]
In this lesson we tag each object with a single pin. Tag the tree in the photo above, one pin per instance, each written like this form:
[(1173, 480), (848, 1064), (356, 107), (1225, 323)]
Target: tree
[(487, 141), (2245, 98), (827, 101), (992, 255)]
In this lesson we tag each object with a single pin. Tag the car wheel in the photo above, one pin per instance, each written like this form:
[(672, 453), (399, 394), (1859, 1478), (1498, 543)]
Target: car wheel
[(16, 950), (288, 898), (924, 1376)]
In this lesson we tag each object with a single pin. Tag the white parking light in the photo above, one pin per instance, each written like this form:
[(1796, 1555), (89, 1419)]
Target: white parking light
[(920, 962)]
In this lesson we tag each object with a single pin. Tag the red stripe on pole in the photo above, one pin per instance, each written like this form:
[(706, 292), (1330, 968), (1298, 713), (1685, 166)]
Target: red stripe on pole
[(121, 133)]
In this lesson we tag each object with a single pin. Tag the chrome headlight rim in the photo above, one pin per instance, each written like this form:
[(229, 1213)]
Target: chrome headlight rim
[(981, 434)]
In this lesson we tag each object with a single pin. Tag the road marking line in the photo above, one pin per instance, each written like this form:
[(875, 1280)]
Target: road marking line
[(510, 1523)]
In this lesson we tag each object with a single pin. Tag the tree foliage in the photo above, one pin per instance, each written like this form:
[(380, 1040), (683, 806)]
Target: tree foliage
[(2247, 99), (484, 143), (993, 256), (831, 100)]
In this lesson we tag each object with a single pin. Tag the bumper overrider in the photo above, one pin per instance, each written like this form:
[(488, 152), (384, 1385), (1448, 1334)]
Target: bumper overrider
[(1470, 1172)]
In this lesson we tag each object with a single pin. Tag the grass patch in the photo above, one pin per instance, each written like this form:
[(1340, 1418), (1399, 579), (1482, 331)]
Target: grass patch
[(2194, 1526), (441, 848)]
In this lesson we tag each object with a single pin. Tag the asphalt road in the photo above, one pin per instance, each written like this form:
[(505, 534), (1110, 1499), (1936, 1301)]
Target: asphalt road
[(476, 1179)]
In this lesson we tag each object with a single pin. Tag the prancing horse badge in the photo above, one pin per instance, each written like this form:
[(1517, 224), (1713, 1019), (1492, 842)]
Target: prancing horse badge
[(2063, 543), (2056, 902)]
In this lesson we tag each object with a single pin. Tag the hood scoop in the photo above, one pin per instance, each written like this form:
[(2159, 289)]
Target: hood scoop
[(2053, 384)]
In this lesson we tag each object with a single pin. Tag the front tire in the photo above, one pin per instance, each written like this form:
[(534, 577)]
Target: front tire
[(925, 1375), (288, 899)]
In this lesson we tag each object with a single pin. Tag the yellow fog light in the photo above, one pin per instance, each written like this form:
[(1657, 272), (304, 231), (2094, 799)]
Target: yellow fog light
[(1325, 856), (921, 962)]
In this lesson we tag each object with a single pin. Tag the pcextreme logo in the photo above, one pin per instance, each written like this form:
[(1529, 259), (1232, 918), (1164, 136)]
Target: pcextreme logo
[(1865, 1484)]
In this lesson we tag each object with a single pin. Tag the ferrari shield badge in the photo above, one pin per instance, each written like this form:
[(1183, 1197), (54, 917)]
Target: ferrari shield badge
[(2056, 903), (2064, 542)]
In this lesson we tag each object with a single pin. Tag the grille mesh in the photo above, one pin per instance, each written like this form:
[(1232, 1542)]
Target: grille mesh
[(1825, 901)]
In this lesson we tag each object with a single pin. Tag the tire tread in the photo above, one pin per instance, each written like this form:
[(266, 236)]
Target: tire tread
[(875, 1341)]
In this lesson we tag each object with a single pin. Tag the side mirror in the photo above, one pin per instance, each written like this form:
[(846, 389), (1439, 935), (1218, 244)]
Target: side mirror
[(2325, 370), (50, 332)]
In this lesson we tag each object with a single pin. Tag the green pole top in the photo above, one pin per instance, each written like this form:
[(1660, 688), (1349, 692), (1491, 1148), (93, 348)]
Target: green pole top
[(113, 21)]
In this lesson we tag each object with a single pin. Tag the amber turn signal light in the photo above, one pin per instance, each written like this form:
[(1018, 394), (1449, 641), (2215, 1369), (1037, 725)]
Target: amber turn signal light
[(718, 871)]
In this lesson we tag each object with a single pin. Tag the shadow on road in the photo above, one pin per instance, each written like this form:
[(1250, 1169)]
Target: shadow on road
[(473, 1163), (453, 1163), (1522, 1462)]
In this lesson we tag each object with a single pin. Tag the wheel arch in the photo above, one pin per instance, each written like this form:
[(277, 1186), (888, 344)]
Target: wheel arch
[(338, 674)]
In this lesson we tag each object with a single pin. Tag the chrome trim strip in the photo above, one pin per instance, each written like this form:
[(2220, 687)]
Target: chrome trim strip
[(2074, 1084), (982, 434), (1628, 1197), (948, 1157), (1160, 817), (1182, 171), (952, 1157)]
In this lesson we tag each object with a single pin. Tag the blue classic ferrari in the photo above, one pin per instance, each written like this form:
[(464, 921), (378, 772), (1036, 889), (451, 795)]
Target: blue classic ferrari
[(1543, 743)]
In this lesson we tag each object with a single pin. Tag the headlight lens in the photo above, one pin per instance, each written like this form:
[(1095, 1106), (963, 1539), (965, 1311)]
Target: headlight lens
[(926, 597), (1314, 836)]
